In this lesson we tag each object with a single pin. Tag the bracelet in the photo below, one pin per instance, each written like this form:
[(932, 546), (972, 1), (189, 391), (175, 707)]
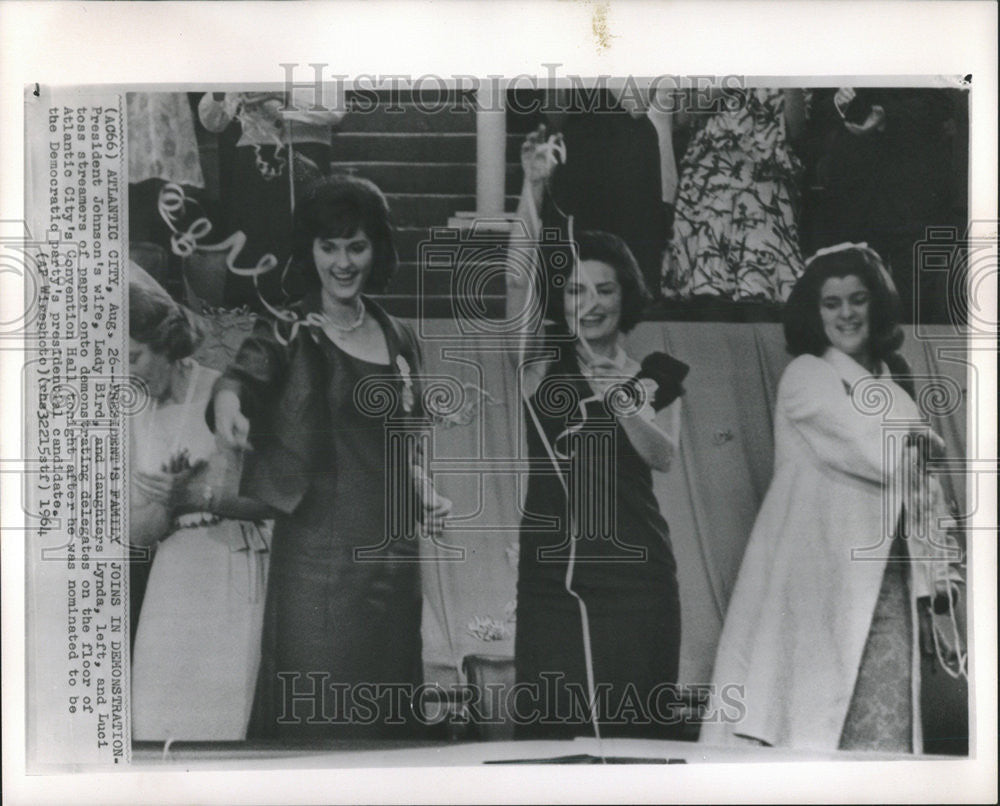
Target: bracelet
[(194, 520)]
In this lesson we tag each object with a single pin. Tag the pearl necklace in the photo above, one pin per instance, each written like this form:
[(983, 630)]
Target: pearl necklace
[(353, 325)]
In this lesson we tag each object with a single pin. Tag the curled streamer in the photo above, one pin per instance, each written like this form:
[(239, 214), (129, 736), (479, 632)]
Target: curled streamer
[(64, 398), (940, 396), (443, 397), (625, 399), (268, 171), (556, 396), (128, 397), (171, 203), (872, 396), (245, 117), (376, 396)]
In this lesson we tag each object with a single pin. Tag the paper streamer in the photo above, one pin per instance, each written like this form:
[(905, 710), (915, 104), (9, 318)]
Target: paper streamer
[(172, 203)]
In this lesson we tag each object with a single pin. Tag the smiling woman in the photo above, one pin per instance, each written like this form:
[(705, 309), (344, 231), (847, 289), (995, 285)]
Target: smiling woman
[(598, 613), (843, 307), (341, 643), (343, 265), (836, 671)]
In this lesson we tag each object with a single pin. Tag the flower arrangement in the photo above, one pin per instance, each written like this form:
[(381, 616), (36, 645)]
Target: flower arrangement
[(488, 629)]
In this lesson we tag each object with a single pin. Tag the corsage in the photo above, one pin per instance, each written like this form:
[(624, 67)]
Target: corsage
[(404, 372)]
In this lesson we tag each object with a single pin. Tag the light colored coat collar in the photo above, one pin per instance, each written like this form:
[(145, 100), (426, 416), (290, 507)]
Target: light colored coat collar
[(850, 370)]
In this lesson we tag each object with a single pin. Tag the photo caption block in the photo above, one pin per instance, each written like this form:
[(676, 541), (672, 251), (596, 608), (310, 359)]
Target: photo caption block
[(77, 397)]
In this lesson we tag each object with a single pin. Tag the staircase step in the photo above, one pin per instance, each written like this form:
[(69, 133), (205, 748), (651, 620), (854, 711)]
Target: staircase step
[(406, 280), (408, 117), (408, 147), (443, 282), (412, 177), (408, 240), (430, 96), (408, 177), (427, 210), (422, 147)]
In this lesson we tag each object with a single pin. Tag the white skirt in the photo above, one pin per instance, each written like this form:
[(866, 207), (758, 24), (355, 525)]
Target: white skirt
[(197, 646)]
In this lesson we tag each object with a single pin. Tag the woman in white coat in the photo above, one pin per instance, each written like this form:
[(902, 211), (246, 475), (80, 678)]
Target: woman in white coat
[(820, 629)]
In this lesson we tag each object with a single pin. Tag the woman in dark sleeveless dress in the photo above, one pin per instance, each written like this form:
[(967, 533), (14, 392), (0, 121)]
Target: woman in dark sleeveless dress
[(322, 394), (598, 615)]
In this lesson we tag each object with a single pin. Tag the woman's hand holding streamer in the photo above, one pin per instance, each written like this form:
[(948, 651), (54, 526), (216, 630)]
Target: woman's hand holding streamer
[(231, 426), (169, 488), (843, 97), (540, 155), (924, 502), (603, 373), (936, 445), (875, 122), (926, 444), (436, 506)]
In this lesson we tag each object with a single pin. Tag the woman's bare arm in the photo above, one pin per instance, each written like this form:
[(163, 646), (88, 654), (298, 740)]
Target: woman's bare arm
[(538, 162), (656, 445), (215, 489), (148, 521)]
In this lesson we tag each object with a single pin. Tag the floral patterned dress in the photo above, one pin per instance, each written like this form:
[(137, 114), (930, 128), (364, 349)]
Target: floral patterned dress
[(162, 141), (735, 234)]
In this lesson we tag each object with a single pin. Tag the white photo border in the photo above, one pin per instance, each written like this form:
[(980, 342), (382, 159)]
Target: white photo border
[(194, 44)]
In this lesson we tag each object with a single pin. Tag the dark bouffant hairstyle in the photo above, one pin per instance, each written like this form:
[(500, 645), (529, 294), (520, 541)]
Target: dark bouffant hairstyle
[(156, 320), (337, 207), (611, 249), (803, 325)]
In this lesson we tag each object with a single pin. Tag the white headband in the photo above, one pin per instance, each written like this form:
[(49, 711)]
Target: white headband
[(843, 247)]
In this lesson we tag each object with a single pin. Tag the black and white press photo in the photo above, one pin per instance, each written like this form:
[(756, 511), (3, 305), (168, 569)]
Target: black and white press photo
[(547, 417), (626, 412)]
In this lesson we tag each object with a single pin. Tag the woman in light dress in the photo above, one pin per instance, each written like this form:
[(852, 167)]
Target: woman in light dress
[(197, 643), (819, 647)]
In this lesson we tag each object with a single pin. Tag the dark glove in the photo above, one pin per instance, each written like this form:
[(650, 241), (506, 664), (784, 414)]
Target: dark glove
[(668, 374)]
